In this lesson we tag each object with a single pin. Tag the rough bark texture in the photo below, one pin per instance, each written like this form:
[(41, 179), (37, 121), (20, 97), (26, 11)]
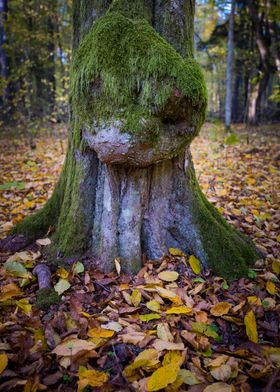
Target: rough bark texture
[(138, 197)]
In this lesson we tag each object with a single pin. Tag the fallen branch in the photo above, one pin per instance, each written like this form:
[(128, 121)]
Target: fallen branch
[(43, 274)]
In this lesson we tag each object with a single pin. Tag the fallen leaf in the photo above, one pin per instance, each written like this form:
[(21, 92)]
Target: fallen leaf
[(251, 326), (219, 387), (136, 297), (72, 347), (78, 268), (187, 377), (175, 252), (153, 305), (164, 293), (221, 373), (62, 273), (3, 362), (161, 345), (118, 265), (271, 288), (112, 325), (61, 286), (43, 241), (91, 378), (179, 310), (162, 377), (9, 291), (100, 333), (168, 276), (195, 264), (17, 269), (24, 305), (220, 309), (149, 317), (163, 332)]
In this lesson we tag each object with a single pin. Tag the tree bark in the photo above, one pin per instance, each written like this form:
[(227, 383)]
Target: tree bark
[(3, 55), (229, 66), (121, 205)]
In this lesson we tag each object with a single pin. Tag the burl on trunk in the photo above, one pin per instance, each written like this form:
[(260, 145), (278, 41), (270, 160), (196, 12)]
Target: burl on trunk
[(128, 187)]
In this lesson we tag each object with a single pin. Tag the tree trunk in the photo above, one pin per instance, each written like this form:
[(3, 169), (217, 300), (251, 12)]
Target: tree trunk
[(229, 66), (3, 55), (121, 194)]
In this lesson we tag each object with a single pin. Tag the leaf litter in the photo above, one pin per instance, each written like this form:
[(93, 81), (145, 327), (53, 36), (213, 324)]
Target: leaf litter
[(172, 327)]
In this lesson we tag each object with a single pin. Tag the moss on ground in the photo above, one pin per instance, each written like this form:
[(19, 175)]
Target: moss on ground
[(124, 70), (46, 298)]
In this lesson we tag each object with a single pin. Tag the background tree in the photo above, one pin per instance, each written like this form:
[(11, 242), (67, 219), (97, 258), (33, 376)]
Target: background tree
[(128, 186), (37, 51), (229, 66)]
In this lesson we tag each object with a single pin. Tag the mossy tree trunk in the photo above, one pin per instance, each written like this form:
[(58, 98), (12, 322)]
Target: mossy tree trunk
[(108, 207)]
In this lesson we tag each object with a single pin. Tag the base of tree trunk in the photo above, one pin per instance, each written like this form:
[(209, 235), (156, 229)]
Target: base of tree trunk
[(110, 211)]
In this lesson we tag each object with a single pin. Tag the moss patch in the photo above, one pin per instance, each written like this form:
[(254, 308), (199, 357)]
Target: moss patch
[(46, 298), (124, 70)]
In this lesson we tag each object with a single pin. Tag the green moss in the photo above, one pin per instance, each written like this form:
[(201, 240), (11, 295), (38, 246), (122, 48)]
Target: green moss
[(124, 70), (46, 297), (228, 252)]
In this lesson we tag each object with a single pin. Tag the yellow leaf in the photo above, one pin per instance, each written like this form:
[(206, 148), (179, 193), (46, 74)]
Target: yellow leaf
[(251, 326), (195, 264), (253, 300), (153, 305), (91, 378), (130, 373), (146, 358), (164, 293), (150, 354), (100, 333), (179, 310), (176, 252), (9, 291), (24, 305), (220, 309), (162, 377), (168, 276), (136, 297), (62, 273), (173, 357), (271, 288), (278, 238), (276, 267), (3, 362), (149, 316), (219, 387)]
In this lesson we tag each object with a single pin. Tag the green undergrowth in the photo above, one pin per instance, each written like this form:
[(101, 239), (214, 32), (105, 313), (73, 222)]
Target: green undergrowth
[(124, 70)]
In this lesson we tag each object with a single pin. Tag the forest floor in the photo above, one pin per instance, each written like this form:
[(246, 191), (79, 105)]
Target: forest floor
[(172, 327)]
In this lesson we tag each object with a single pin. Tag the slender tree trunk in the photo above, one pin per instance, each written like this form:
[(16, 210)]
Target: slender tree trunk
[(3, 55), (134, 197), (229, 66)]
